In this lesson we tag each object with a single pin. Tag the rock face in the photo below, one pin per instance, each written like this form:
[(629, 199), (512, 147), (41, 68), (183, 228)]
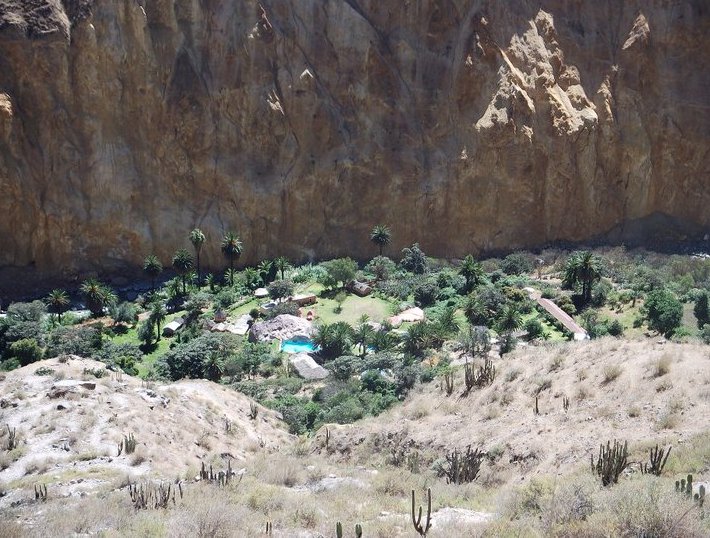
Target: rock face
[(283, 327), (466, 125)]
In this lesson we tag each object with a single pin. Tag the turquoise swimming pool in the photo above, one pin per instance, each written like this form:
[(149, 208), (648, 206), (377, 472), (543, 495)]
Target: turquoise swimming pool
[(298, 346)]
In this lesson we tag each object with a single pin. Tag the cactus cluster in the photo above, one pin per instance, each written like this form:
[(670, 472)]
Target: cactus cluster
[(153, 495), (221, 478), (611, 462), (685, 487), (253, 410), (565, 403), (449, 383), (485, 375), (339, 530), (11, 438), (128, 444), (417, 521), (462, 467), (40, 492), (657, 460)]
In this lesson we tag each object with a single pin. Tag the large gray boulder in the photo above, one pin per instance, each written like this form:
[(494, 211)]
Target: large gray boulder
[(306, 367), (283, 327)]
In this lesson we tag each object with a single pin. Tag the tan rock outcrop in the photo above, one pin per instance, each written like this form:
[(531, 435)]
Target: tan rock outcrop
[(466, 125)]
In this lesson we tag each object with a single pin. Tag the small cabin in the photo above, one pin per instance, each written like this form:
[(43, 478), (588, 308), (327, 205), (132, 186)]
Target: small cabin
[(174, 326)]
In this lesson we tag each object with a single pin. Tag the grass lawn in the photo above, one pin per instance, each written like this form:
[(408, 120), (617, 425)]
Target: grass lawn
[(626, 317), (353, 307), (131, 337)]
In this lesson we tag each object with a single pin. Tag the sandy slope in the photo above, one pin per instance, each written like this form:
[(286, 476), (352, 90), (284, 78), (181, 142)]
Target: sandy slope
[(70, 423)]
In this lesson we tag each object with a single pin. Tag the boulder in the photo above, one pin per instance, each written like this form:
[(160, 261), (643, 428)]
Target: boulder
[(283, 327), (306, 367)]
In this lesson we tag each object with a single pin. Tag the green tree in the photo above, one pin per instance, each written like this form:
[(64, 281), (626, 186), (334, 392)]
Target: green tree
[(26, 351), (267, 271), (231, 249), (583, 268), (252, 279), (363, 334), (414, 260), (57, 303), (280, 289), (146, 333), (340, 270), (334, 339), (183, 263), (197, 238), (157, 317), (282, 265), (664, 311), (381, 236), (701, 310), (97, 296), (152, 267), (473, 272), (508, 320), (213, 366)]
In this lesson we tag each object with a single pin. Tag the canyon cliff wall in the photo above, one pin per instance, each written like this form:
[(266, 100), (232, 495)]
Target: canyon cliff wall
[(466, 125)]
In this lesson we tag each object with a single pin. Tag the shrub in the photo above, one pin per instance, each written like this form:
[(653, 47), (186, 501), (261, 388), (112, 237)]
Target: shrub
[(82, 341), (282, 308), (516, 263), (615, 328), (280, 289), (426, 293), (414, 260), (705, 334), (702, 310), (191, 359), (124, 313), (26, 351), (381, 267), (343, 368), (340, 270), (534, 328), (663, 311)]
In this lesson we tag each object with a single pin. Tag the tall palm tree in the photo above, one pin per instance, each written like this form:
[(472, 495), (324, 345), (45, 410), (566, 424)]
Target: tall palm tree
[(473, 272), (232, 249), (266, 270), (152, 267), (58, 303), (509, 320), (182, 263), (97, 295), (282, 264), (157, 316), (363, 334), (583, 268), (381, 236), (197, 238)]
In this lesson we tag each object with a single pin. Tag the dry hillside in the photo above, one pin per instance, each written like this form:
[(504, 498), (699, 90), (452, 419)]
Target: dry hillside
[(535, 480)]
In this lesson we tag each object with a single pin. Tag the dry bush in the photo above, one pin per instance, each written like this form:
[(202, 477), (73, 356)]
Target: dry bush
[(582, 393), (667, 421), (612, 372), (556, 363), (664, 385), (633, 411), (662, 366), (512, 375)]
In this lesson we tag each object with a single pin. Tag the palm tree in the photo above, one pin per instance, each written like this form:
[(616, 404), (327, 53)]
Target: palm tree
[(266, 270), (97, 295), (152, 267), (197, 238), (58, 302), (232, 249), (363, 334), (252, 278), (381, 236), (509, 320), (281, 263), (182, 263), (213, 366), (157, 317), (472, 271), (583, 268)]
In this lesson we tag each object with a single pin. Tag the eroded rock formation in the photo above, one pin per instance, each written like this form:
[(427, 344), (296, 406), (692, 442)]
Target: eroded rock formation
[(466, 125)]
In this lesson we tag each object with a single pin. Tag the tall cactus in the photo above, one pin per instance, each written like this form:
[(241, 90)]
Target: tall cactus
[(417, 521), (611, 462), (656, 461)]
